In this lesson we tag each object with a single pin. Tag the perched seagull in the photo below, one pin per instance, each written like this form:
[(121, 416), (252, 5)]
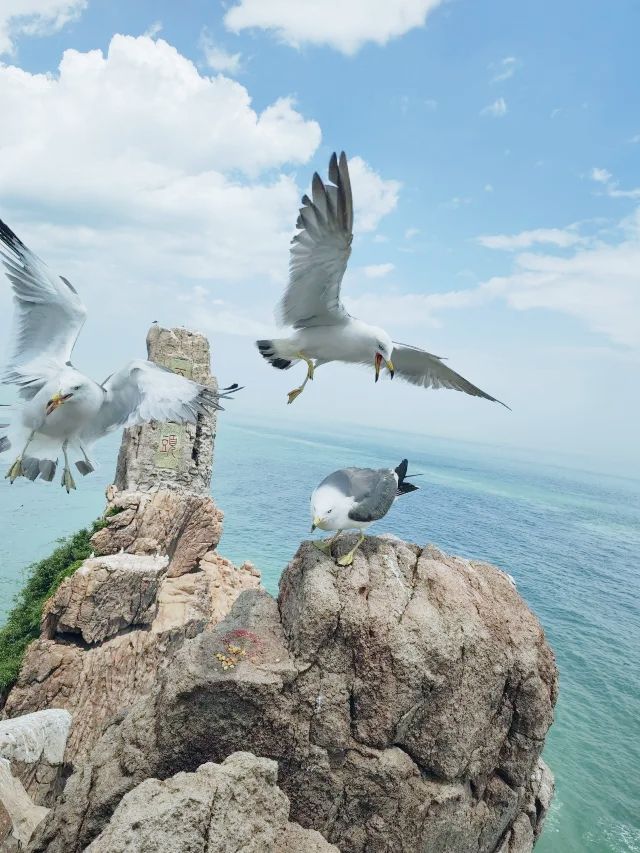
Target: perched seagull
[(325, 332), (353, 498), (63, 409)]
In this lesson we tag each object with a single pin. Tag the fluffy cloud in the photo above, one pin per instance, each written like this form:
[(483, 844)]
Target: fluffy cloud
[(34, 17), (217, 58), (497, 109), (343, 26), (525, 239), (373, 196)]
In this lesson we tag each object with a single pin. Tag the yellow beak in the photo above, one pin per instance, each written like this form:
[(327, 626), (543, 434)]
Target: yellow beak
[(56, 401), (390, 368), (316, 522)]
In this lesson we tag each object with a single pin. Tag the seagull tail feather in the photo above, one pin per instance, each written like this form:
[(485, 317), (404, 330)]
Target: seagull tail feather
[(403, 487), (269, 351)]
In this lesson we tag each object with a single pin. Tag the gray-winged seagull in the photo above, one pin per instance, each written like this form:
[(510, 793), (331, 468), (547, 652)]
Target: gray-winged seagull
[(325, 332), (353, 498), (63, 409)]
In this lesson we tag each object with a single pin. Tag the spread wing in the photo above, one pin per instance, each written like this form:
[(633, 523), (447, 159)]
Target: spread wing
[(49, 316), (320, 251), (143, 391), (422, 368)]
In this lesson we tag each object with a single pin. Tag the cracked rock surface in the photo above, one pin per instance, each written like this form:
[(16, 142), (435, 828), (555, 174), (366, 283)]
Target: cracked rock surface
[(406, 700)]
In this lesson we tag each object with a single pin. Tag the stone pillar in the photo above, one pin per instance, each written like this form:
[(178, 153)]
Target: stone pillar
[(166, 455)]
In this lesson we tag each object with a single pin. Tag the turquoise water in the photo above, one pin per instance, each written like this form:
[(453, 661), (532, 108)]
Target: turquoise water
[(569, 538)]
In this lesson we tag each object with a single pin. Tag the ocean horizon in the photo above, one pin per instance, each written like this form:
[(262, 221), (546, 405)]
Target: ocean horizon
[(569, 537)]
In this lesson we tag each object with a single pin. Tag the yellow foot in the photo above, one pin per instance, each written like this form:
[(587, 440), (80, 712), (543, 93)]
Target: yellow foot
[(310, 369), (293, 394), (346, 560), (323, 546), (67, 480), (15, 471)]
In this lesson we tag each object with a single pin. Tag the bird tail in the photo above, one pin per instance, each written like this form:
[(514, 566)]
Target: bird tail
[(404, 487), (269, 351)]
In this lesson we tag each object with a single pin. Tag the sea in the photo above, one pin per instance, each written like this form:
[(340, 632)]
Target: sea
[(569, 537)]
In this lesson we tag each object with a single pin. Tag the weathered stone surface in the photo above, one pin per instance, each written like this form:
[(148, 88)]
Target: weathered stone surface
[(105, 596), (158, 612), (31, 754), (163, 456), (180, 525), (405, 699), (221, 808)]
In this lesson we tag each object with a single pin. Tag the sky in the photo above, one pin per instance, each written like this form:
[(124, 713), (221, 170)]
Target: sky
[(155, 153)]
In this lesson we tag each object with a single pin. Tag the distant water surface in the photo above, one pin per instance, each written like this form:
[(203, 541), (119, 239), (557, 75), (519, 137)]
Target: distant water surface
[(571, 540)]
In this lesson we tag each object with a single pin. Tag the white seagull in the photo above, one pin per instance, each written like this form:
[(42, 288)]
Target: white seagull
[(325, 332), (63, 410), (353, 498)]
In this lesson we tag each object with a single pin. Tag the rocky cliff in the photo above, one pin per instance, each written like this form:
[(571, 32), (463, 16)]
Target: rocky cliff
[(397, 705)]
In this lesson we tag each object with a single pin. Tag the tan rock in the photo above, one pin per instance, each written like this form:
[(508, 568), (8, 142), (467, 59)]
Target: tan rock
[(221, 808), (169, 456), (180, 525), (105, 596), (405, 699)]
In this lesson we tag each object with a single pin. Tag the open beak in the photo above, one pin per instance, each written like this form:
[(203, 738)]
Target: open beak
[(377, 362), (56, 401)]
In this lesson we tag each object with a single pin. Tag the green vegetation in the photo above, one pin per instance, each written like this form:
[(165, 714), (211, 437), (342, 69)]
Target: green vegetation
[(44, 578)]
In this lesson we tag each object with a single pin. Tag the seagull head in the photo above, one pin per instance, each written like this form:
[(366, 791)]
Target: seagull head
[(383, 350), (329, 509), (74, 390)]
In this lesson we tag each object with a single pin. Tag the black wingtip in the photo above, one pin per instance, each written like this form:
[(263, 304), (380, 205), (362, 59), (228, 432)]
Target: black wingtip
[(8, 237), (403, 487)]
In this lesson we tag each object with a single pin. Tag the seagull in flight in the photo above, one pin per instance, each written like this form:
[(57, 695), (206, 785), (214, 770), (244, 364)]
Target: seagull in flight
[(324, 330), (64, 411), (353, 498)]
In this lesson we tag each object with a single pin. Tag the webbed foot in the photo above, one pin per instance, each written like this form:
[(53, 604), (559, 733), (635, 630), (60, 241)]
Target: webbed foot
[(85, 467), (346, 560), (68, 482), (15, 471), (293, 394)]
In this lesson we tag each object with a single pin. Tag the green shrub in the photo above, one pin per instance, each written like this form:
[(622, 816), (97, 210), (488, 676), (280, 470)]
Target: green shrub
[(44, 578)]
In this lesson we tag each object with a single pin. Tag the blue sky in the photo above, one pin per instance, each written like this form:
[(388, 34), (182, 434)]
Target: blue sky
[(154, 153)]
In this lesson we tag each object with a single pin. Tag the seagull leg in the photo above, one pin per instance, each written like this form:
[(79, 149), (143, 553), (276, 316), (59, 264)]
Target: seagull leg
[(310, 370), (348, 557), (85, 467), (325, 545), (16, 469), (67, 480)]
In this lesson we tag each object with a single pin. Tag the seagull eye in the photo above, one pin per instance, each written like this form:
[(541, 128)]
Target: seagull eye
[(328, 512), (76, 387)]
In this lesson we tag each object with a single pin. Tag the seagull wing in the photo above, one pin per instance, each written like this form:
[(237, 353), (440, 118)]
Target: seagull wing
[(422, 368), (49, 316), (320, 252), (143, 391)]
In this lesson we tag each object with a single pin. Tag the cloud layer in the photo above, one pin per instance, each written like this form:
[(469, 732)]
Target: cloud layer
[(34, 18), (343, 26)]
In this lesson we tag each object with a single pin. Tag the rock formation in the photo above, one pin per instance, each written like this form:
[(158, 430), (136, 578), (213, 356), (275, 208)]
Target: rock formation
[(221, 808), (405, 700), (31, 757)]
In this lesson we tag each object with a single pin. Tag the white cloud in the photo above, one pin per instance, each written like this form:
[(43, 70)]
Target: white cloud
[(601, 176), (635, 139), (153, 29), (504, 69), (410, 233), (488, 188), (34, 18), (612, 188), (343, 26), (378, 270), (156, 177), (373, 196), (217, 58), (497, 109), (525, 239), (459, 201)]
